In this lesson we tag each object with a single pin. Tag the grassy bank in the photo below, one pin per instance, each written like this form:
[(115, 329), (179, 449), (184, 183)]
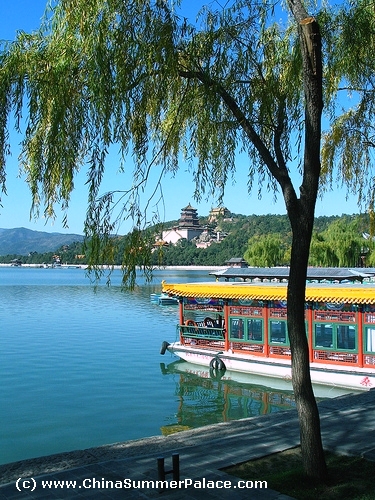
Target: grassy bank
[(349, 477)]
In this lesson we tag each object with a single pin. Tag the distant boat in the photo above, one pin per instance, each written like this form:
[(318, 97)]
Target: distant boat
[(16, 263), (163, 299)]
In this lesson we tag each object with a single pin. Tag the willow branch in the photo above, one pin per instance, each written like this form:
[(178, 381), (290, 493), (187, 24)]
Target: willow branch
[(279, 172)]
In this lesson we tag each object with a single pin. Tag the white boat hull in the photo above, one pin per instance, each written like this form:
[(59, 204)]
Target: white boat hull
[(253, 379), (355, 378)]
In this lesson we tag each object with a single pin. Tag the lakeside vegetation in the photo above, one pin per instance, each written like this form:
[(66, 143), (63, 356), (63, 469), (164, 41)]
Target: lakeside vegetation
[(263, 240), (349, 477)]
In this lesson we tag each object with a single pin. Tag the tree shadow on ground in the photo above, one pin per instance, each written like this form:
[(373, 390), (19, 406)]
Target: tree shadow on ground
[(349, 477)]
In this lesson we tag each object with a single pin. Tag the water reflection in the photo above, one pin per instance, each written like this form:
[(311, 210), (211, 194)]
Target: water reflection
[(203, 400)]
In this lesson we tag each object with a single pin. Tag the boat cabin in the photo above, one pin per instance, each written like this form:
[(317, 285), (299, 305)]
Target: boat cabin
[(250, 318)]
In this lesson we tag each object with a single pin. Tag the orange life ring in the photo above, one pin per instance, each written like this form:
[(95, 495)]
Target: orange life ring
[(190, 322)]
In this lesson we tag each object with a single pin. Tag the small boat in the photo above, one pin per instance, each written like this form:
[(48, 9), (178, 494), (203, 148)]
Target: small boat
[(163, 299), (242, 327)]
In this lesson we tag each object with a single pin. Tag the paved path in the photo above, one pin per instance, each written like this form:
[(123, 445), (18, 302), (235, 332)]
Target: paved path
[(348, 427)]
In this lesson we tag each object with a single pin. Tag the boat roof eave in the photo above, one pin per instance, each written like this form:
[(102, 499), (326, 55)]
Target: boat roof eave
[(351, 294)]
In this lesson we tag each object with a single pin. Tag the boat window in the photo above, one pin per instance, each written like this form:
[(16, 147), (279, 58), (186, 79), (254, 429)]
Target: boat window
[(323, 335), (255, 330), (335, 336), (370, 339), (346, 337), (278, 332), (236, 328)]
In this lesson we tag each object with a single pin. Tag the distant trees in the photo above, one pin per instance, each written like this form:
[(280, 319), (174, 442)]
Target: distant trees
[(267, 251), (321, 254), (338, 242), (71, 254), (340, 245), (263, 240), (183, 253), (370, 257)]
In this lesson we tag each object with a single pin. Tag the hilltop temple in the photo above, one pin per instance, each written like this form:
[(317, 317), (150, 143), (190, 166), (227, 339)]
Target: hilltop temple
[(188, 227)]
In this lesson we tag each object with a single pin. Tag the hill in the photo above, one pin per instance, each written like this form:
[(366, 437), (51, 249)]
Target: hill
[(22, 241), (36, 247)]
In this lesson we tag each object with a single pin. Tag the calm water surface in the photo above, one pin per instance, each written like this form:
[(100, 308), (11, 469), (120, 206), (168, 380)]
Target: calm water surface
[(80, 366)]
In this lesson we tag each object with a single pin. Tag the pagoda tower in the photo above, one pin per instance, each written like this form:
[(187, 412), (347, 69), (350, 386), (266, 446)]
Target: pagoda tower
[(188, 227), (189, 217)]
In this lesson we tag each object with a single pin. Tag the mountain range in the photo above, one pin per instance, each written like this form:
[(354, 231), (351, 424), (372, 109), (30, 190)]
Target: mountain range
[(22, 241)]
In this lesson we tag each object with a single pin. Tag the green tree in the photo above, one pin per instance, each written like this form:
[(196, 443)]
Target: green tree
[(343, 238), (321, 253), (132, 73), (341, 244), (349, 144), (265, 251), (369, 247)]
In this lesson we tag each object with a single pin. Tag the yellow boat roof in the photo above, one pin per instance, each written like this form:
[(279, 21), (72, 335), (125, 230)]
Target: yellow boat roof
[(348, 293)]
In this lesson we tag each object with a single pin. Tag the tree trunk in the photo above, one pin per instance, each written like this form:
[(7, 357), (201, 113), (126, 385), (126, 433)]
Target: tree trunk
[(301, 215), (310, 435)]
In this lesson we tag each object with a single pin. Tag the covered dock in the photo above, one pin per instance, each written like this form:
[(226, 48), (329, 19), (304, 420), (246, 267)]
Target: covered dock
[(281, 274)]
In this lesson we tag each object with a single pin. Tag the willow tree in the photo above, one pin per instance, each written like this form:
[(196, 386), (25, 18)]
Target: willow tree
[(348, 151), (345, 240), (321, 253), (267, 250), (165, 92)]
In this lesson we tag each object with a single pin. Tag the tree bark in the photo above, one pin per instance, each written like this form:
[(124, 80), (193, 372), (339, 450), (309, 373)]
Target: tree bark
[(301, 215), (309, 421)]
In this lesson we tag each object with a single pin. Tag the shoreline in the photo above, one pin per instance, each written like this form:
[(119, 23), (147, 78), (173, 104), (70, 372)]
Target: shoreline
[(84, 266)]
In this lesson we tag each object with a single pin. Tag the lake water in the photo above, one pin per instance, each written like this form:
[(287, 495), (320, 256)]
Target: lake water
[(80, 366)]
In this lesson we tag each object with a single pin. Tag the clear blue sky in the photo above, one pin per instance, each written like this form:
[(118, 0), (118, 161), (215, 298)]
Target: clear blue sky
[(178, 192)]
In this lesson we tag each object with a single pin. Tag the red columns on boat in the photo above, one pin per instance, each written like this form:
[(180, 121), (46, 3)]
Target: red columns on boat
[(181, 314), (181, 311), (226, 325), (309, 313), (359, 321), (266, 328)]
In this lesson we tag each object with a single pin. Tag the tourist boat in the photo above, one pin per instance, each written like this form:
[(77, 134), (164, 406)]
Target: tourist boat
[(242, 327), (163, 299)]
